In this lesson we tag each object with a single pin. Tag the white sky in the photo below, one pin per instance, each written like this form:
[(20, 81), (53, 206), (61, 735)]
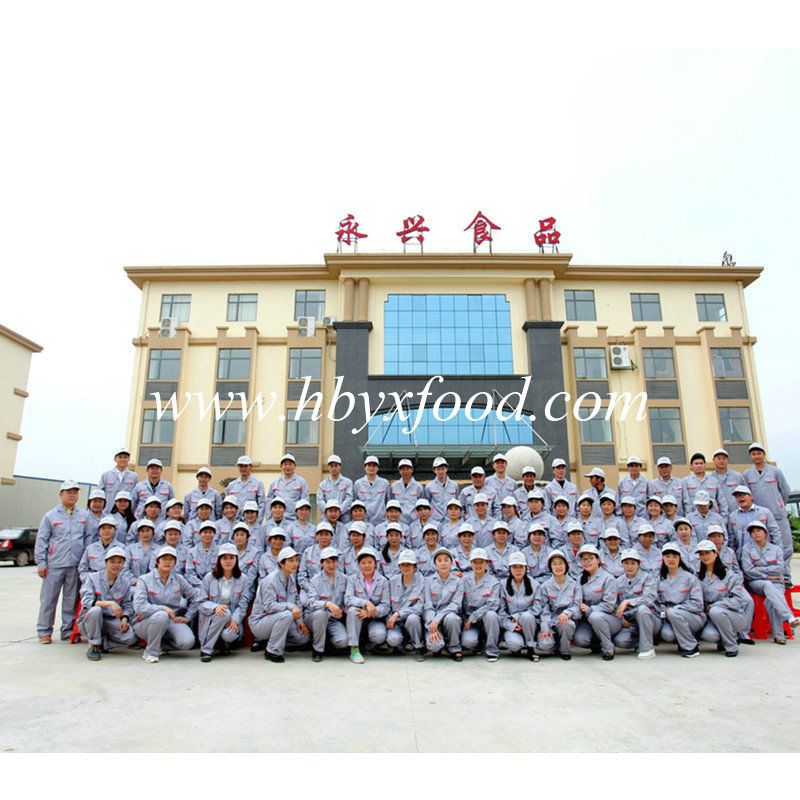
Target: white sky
[(176, 133)]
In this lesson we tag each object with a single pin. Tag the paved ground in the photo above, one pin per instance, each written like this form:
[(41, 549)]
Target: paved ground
[(56, 700)]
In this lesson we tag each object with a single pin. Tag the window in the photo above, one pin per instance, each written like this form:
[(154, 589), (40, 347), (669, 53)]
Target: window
[(164, 365), (590, 363), (157, 431), (234, 365), (229, 428), (176, 305), (580, 304), (736, 425), (596, 430), (447, 334), (309, 303), (727, 362), (304, 430), (711, 308), (665, 425), (646, 307), (305, 362), (659, 363), (242, 307)]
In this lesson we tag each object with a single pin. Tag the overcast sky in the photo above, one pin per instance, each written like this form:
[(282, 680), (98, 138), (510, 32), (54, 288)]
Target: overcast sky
[(172, 133)]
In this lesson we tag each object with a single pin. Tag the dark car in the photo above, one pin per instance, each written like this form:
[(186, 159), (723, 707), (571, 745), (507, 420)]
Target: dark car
[(17, 544)]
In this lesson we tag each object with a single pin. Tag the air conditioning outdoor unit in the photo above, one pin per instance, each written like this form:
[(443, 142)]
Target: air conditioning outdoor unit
[(306, 326), (328, 321), (169, 328), (620, 356)]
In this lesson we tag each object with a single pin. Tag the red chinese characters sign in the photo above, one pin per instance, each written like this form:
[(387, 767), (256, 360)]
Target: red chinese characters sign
[(547, 234), (348, 232), (413, 229), (482, 228)]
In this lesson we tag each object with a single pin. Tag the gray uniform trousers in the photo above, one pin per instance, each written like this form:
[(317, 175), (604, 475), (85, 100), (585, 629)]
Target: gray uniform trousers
[(412, 625), (58, 579), (723, 624), (278, 630), (562, 635), (641, 630), (681, 626), (104, 631), (162, 633), (515, 640), (600, 624), (490, 624), (775, 602), (376, 629), (212, 626), (325, 627), (450, 632)]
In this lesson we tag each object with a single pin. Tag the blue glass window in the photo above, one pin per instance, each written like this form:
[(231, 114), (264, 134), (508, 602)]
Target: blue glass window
[(447, 334)]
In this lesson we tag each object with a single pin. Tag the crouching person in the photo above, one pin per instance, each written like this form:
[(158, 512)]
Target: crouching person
[(557, 606), (636, 591), (407, 595), (277, 616), (444, 599), (107, 606), (325, 612), (518, 594), (366, 598), (159, 601), (481, 607)]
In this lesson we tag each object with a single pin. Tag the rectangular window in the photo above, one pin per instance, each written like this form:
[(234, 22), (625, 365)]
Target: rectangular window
[(711, 308), (580, 304), (164, 365), (305, 362), (590, 363), (727, 362), (242, 307), (176, 306), (659, 363), (304, 430), (646, 307), (234, 365), (665, 425), (736, 425), (157, 431), (230, 428), (596, 430), (309, 303)]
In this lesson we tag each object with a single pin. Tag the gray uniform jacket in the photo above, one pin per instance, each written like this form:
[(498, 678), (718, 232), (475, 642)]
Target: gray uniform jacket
[(61, 538), (731, 562), (467, 496), (321, 591), (641, 591), (600, 592), (252, 489), (442, 597), (248, 560), (301, 536), (769, 488), (498, 562), (513, 605), (612, 564), (547, 520), (439, 495), (674, 486), (199, 562), (448, 533), (700, 523), (592, 492), (266, 564), (408, 600), (739, 520), (664, 530), (651, 559), (95, 589), (296, 488), (553, 600), (537, 562), (144, 489), (242, 590), (387, 563), (193, 497), (348, 562), (374, 496), (689, 555), (728, 481), (357, 595), (483, 530), (224, 532), (93, 526), (407, 495), (113, 482), (461, 559), (727, 592), (758, 564), (310, 566), (341, 490), (682, 591), (692, 485), (554, 489), (637, 489), (139, 559), (93, 558), (276, 594), (499, 489), (480, 597), (592, 528), (425, 562), (152, 594)]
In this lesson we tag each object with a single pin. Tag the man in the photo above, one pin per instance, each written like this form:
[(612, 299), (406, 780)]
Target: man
[(247, 487), (289, 486), (728, 479), (373, 491), (528, 485), (467, 496), (118, 479), (698, 479), (558, 486), (770, 489), (597, 487), (337, 487), (746, 512), (634, 485), (499, 484), (152, 485), (665, 483), (441, 490), (60, 543), (407, 491), (201, 492)]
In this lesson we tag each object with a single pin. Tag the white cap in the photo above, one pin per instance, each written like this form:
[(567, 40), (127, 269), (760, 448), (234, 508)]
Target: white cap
[(144, 523), (208, 524), (586, 496), (720, 451), (439, 462), (498, 457), (174, 502), (477, 471), (228, 549), (241, 525), (702, 498), (108, 520), (669, 498), (393, 504), (595, 472), (536, 526), (654, 498), (630, 553), (756, 446), (442, 550), (633, 460), (172, 525), (333, 459), (465, 527), (324, 526), (371, 460), (332, 503), (115, 551), (500, 525), (645, 527), (508, 500), (430, 526), (480, 497), (123, 495), (69, 485), (561, 498), (394, 526), (288, 457), (202, 470), (671, 547), (277, 532), (536, 494), (230, 498), (590, 548), (279, 500), (528, 469), (573, 525), (250, 505), (122, 451), (405, 462), (478, 552), (454, 501), (301, 503), (366, 551), (664, 461), (166, 550), (361, 504), (608, 496), (407, 557), (244, 460), (329, 552), (287, 552), (97, 494), (559, 554), (714, 528), (611, 533), (517, 558), (422, 502), (558, 462), (757, 524), (154, 462), (705, 545), (628, 500), (681, 521), (740, 489), (152, 499), (357, 527), (204, 501)]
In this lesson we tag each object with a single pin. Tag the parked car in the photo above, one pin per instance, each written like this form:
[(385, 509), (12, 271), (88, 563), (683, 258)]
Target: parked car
[(17, 545)]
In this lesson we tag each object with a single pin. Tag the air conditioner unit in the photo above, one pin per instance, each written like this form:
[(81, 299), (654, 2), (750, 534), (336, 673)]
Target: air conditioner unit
[(620, 357), (306, 326), (328, 321), (169, 328)]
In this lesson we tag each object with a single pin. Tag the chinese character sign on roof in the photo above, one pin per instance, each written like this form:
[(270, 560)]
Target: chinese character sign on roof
[(547, 234), (413, 229), (348, 233), (482, 228)]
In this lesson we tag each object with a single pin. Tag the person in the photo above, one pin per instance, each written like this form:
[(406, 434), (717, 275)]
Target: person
[(406, 491), (425, 554), (277, 615), (724, 599), (202, 492), (608, 514), (118, 479), (246, 487), (165, 605), (481, 607), (140, 553), (441, 490), (172, 537), (557, 607), (500, 550), (499, 483), (393, 512), (686, 541), (94, 513), (60, 542), (246, 553), (762, 564), (649, 553), (558, 533), (190, 535), (467, 495), (174, 509), (325, 606), (336, 487), (444, 596), (521, 494), (666, 484), (366, 598), (93, 558), (201, 558), (560, 487), (226, 594), (349, 560), (407, 597), (509, 515), (745, 512), (390, 552), (290, 486), (597, 488), (301, 529), (340, 533), (268, 561), (670, 506), (536, 512), (414, 531), (636, 596), (703, 515), (611, 553), (448, 528), (698, 479), (107, 606), (634, 485), (575, 540), (591, 524), (276, 519), (518, 592), (679, 602), (537, 553), (152, 516), (481, 522), (358, 513), (372, 490), (152, 486), (123, 514), (310, 565), (462, 553), (728, 479), (628, 523), (662, 527), (598, 602), (250, 515)]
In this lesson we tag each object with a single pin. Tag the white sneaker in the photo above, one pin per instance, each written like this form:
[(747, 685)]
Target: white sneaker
[(647, 654), (150, 659), (794, 622)]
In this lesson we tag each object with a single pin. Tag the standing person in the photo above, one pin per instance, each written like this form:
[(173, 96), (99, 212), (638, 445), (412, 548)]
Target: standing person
[(336, 487), (634, 485), (406, 491), (699, 480), (60, 543), (444, 596), (140, 553), (467, 495), (680, 602), (728, 479), (290, 486), (636, 593), (597, 488), (770, 489), (482, 522), (703, 515), (560, 487), (152, 486), (246, 487), (441, 490), (499, 484), (557, 606), (93, 558), (123, 514), (373, 491), (118, 479), (174, 511), (301, 529), (202, 492), (598, 603), (747, 511), (325, 607), (366, 598), (537, 553), (500, 551), (202, 557), (481, 607), (518, 593), (94, 513), (666, 484), (449, 527), (407, 596), (528, 485)]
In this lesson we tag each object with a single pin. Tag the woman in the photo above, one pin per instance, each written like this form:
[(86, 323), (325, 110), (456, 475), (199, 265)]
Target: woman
[(226, 595), (481, 607), (762, 564), (366, 598), (94, 513), (649, 553), (686, 540), (463, 552), (591, 524), (93, 558), (407, 597), (680, 602), (500, 550), (636, 593), (628, 523), (191, 528), (268, 561), (349, 562), (277, 616), (724, 598), (301, 529), (481, 520), (310, 564), (537, 553), (325, 606), (575, 541), (422, 517), (444, 596), (610, 553), (609, 518), (140, 553), (201, 558), (174, 511), (449, 527), (107, 605), (123, 513), (557, 606), (425, 554), (662, 527), (517, 597), (224, 525), (246, 553), (393, 513), (173, 532), (358, 513), (159, 601), (669, 505), (250, 518), (151, 514), (558, 531), (510, 517), (390, 552), (598, 603)]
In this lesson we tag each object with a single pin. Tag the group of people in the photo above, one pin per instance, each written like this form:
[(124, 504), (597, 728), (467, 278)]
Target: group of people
[(420, 568)]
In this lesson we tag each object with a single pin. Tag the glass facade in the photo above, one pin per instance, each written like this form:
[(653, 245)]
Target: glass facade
[(157, 431), (447, 334), (596, 430), (229, 428), (659, 363), (646, 307), (736, 424), (590, 363), (305, 362), (233, 365), (309, 303), (665, 425), (304, 430), (711, 308), (727, 362), (242, 307), (580, 304), (176, 306), (164, 365)]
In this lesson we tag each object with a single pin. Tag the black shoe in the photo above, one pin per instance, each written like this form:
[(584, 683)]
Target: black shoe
[(720, 647), (695, 651), (457, 656), (731, 653), (608, 656), (272, 657), (419, 654), (136, 646), (205, 657), (748, 640), (316, 657), (257, 647), (532, 655), (93, 653), (565, 656)]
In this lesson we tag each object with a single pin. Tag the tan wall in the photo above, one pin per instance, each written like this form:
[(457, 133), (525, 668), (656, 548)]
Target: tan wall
[(16, 361)]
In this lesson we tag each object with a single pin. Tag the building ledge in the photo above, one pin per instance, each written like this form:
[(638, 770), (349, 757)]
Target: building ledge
[(20, 392), (15, 437), (20, 339)]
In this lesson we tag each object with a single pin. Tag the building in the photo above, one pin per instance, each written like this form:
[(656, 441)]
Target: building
[(483, 322)]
